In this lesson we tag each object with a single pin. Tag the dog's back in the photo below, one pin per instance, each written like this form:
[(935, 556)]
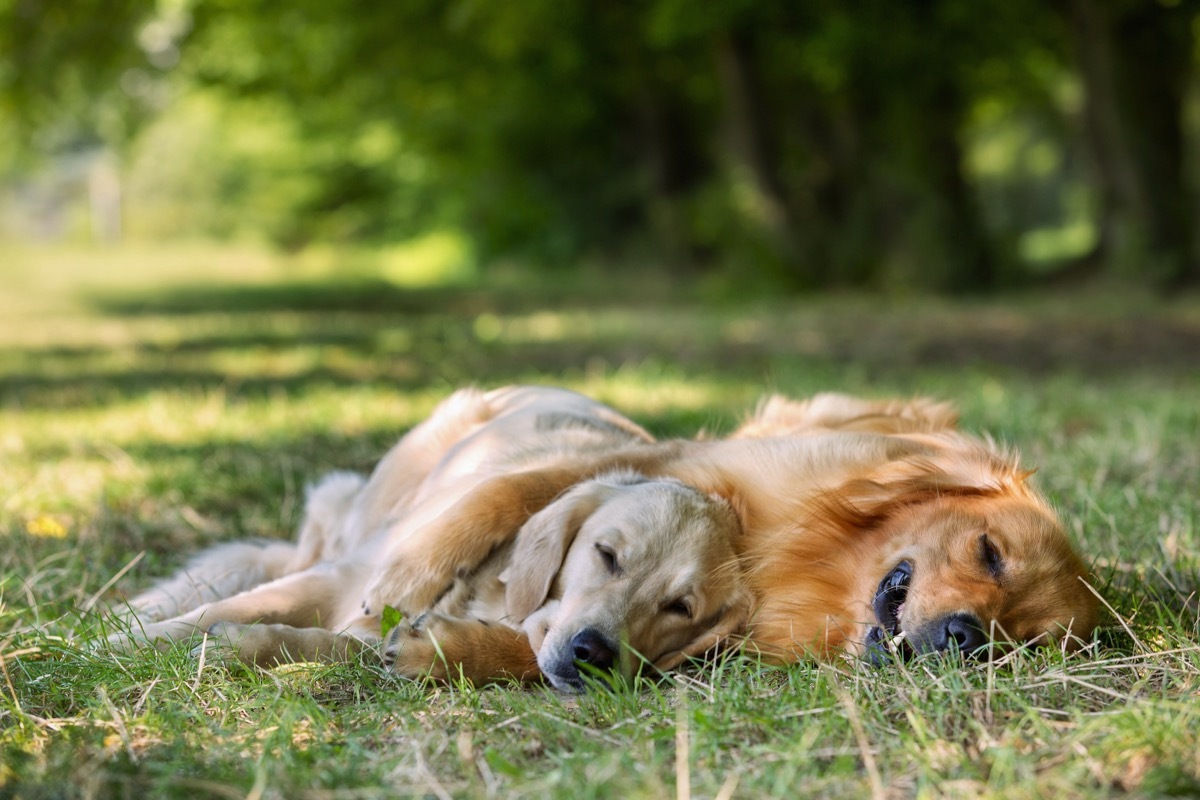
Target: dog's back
[(528, 426), (470, 436)]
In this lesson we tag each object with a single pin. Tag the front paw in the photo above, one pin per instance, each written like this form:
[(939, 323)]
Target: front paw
[(412, 651), (410, 588)]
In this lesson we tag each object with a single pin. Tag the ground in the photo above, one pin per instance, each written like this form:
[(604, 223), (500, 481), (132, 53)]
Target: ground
[(154, 402)]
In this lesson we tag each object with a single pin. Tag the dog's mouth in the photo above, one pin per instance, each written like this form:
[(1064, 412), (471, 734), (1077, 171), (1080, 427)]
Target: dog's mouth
[(888, 606)]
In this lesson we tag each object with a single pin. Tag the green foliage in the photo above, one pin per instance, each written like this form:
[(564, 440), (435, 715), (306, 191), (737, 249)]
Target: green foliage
[(818, 144), (64, 64), (391, 618), (170, 400)]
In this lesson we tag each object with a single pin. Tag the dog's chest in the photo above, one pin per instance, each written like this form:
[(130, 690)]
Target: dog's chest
[(479, 594)]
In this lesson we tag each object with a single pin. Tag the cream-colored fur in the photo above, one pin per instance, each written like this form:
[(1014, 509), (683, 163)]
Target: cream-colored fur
[(675, 589)]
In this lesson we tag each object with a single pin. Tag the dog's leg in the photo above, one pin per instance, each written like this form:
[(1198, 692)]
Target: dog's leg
[(447, 648), (344, 509), (424, 563), (215, 574), (396, 480), (268, 645), (323, 531), (313, 598)]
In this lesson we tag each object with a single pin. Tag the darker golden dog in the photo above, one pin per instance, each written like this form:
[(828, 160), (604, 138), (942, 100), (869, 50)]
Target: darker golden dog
[(867, 526)]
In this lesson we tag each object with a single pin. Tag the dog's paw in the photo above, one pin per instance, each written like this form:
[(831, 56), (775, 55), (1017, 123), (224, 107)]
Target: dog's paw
[(135, 639), (408, 587), (221, 644), (121, 643), (412, 650)]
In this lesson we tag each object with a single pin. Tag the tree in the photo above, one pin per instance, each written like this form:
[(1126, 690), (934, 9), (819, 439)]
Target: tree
[(73, 72), (820, 143), (1136, 60)]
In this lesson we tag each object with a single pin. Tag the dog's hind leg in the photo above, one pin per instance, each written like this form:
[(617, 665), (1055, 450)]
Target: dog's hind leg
[(344, 509), (399, 476), (215, 574), (313, 598), (329, 529), (267, 645)]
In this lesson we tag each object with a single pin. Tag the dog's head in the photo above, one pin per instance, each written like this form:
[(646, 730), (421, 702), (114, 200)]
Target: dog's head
[(958, 573), (623, 568), (934, 543)]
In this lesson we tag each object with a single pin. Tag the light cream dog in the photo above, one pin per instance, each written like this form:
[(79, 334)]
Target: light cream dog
[(617, 569)]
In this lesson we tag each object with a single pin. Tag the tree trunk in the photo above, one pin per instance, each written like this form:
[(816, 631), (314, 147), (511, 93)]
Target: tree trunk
[(753, 160), (1135, 59), (969, 263), (672, 170)]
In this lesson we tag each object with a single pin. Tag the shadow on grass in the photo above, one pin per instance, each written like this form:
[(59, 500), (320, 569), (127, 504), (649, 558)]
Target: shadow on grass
[(366, 296), (359, 297), (266, 341), (1027, 335), (341, 334)]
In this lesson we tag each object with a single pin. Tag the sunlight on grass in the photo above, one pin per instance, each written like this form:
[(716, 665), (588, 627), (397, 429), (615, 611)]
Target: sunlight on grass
[(156, 405), (36, 278)]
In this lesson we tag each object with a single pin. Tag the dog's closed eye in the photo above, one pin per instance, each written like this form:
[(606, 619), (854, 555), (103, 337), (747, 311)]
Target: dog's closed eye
[(680, 608), (609, 557), (990, 555)]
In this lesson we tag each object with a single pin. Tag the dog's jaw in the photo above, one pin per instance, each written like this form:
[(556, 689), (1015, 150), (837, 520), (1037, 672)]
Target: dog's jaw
[(888, 607)]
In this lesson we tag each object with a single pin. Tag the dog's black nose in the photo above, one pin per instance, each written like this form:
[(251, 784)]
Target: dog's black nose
[(591, 648), (963, 632)]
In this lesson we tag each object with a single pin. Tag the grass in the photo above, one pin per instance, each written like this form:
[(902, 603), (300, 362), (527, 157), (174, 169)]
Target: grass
[(153, 403)]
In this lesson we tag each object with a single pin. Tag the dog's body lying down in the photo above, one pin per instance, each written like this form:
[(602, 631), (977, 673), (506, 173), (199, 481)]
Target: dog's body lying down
[(862, 524), (618, 564), (865, 526)]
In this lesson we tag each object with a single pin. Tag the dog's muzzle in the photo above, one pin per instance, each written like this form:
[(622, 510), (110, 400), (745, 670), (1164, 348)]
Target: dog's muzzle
[(589, 652), (958, 631)]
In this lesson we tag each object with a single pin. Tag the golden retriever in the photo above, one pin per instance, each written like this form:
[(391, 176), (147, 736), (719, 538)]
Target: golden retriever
[(621, 567), (866, 527)]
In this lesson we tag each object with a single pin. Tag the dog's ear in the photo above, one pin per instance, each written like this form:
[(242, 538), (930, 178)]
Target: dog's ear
[(542, 544), (948, 463), (730, 623)]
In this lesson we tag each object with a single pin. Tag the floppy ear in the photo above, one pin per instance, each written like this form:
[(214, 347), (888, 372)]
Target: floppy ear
[(953, 464), (731, 621), (542, 544)]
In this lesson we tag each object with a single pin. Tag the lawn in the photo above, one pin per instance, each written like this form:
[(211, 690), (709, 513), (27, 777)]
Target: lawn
[(155, 402)]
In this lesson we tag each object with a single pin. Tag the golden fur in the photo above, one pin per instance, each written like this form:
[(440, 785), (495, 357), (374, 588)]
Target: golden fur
[(865, 526), (832, 494)]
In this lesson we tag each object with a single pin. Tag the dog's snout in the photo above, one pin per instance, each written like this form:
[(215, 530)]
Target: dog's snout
[(591, 648), (962, 632)]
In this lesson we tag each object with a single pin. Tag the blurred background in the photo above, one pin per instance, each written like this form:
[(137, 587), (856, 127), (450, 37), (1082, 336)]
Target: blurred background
[(946, 145)]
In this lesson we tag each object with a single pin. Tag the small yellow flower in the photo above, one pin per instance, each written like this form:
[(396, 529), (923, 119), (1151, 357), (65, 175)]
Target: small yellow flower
[(47, 527)]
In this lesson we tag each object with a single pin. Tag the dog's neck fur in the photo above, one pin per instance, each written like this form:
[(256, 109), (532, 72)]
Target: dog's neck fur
[(479, 594)]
